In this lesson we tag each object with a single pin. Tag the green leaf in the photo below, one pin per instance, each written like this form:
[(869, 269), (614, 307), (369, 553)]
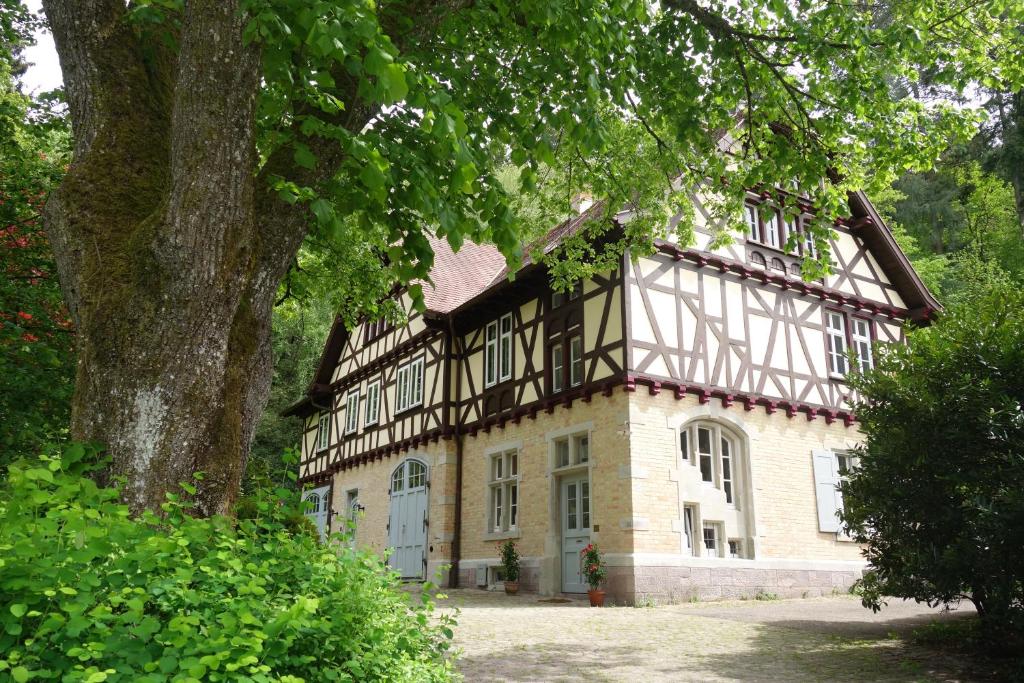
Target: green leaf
[(304, 157), (18, 609), (393, 83)]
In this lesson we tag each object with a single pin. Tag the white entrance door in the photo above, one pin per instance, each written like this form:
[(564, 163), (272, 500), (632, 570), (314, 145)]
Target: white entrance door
[(575, 511), (407, 524), (317, 504)]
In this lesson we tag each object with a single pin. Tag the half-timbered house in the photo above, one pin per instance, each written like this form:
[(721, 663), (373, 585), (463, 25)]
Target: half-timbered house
[(688, 412)]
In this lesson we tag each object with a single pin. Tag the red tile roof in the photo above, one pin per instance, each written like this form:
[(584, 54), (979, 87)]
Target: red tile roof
[(457, 277)]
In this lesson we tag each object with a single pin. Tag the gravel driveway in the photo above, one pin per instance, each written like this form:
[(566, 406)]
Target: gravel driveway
[(524, 638)]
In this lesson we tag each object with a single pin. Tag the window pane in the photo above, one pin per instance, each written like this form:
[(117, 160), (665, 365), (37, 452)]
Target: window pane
[(771, 228), (582, 449), (570, 521), (556, 368), (734, 549), (707, 472), (513, 504), (585, 504), (506, 357), (576, 361), (710, 538), (513, 460), (726, 470), (688, 528), (753, 225), (497, 520), (704, 440), (684, 444), (398, 480), (562, 453)]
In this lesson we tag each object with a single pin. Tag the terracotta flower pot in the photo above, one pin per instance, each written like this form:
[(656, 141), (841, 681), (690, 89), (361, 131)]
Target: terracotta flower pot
[(596, 596), (511, 587)]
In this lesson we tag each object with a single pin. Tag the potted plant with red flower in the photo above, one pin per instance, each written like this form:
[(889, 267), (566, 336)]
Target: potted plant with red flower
[(593, 568), (510, 566)]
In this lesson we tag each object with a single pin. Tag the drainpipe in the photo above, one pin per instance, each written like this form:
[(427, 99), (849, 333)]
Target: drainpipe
[(453, 574)]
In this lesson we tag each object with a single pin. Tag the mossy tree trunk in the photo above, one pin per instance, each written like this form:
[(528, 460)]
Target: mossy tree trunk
[(168, 244)]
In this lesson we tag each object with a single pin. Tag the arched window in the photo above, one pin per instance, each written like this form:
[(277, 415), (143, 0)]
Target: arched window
[(795, 270), (713, 450), (417, 474), (778, 264), (757, 258), (314, 504), (410, 475)]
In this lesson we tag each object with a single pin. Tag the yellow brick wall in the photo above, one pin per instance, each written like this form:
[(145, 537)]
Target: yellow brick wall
[(605, 418), (781, 477), (372, 480)]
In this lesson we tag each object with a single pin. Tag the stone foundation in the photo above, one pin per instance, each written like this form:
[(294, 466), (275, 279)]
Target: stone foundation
[(675, 584), (701, 580)]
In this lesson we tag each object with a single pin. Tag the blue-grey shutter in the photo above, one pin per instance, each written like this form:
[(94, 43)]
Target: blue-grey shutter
[(825, 481)]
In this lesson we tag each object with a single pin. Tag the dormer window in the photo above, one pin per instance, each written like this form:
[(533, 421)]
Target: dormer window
[(375, 329)]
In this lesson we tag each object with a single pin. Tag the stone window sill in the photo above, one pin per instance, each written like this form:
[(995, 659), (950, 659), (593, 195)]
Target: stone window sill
[(501, 535)]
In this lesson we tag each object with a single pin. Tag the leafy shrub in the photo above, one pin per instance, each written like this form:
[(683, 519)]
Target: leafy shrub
[(509, 560), (938, 499), (88, 593)]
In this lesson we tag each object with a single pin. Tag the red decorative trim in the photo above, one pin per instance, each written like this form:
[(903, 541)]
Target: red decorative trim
[(654, 388), (703, 396), (770, 406), (812, 413), (727, 400), (630, 383)]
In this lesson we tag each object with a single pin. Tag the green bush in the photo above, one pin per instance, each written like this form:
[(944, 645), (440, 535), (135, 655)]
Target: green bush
[(88, 593), (938, 498)]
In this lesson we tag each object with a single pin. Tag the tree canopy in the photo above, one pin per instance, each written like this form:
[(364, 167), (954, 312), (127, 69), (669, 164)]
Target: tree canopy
[(212, 138)]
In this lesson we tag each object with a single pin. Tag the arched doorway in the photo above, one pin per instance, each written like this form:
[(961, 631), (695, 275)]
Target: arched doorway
[(407, 522), (317, 505)]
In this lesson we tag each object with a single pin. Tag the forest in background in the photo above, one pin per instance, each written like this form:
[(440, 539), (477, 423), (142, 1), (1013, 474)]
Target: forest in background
[(961, 224)]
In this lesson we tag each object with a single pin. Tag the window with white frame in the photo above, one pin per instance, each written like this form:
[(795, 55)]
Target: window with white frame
[(773, 231), (372, 403), (713, 450), (557, 368), (754, 232), (713, 539), (860, 335), (323, 432), (409, 390), (503, 490), (835, 332), (498, 350), (831, 468), (705, 456), (573, 450), (689, 520), (505, 348), (352, 411), (575, 360)]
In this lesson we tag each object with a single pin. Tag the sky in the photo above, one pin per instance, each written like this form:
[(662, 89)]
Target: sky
[(44, 71)]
